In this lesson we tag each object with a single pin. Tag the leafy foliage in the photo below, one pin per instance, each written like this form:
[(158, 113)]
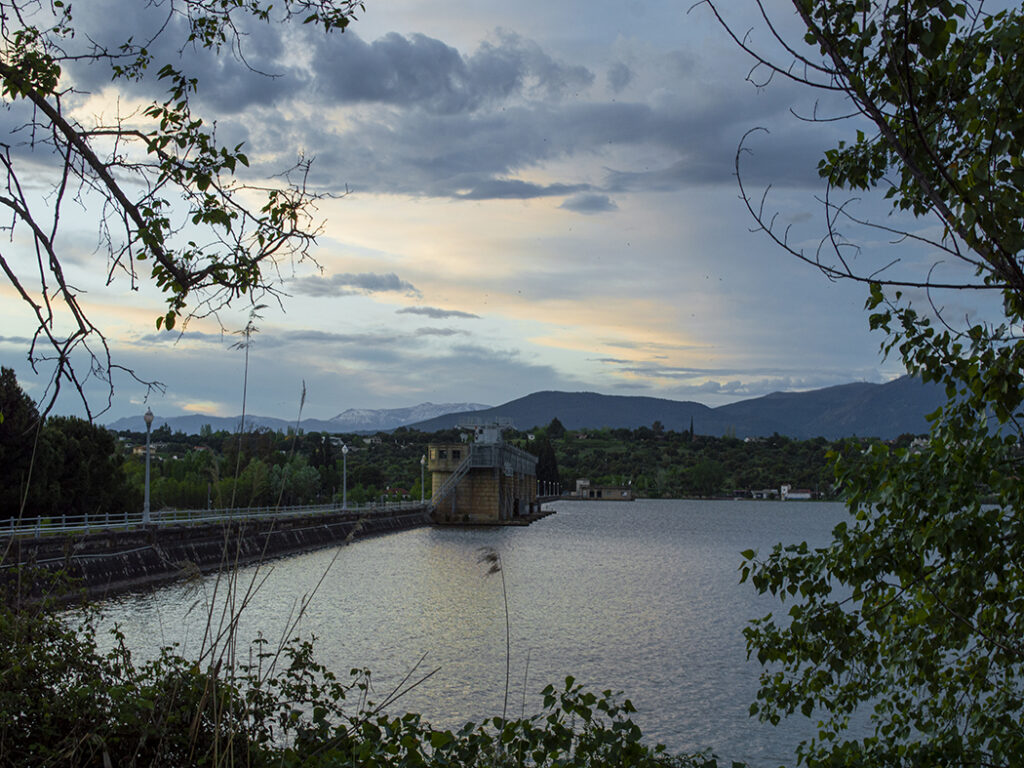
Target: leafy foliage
[(18, 429), (672, 465), (668, 466), (547, 461), (912, 616), (915, 609), (57, 466), (161, 186), (942, 83)]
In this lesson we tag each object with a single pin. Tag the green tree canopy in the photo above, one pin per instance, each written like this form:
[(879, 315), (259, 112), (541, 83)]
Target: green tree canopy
[(19, 421), (81, 473), (913, 612), (58, 466), (556, 430), (706, 477), (547, 463)]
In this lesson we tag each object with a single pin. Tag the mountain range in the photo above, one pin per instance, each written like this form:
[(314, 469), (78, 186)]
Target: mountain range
[(866, 410), (350, 420)]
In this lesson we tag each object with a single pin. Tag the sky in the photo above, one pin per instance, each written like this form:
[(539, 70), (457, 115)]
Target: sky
[(528, 196)]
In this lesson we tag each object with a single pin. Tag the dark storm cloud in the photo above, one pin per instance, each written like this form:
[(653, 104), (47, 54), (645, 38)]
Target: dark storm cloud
[(789, 160), (483, 155), (352, 285), (472, 156), (619, 76), (513, 189), (437, 314), (425, 72), (436, 121), (590, 204), (252, 70)]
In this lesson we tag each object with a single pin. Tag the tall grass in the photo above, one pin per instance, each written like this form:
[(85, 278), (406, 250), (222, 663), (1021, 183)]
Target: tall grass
[(492, 558)]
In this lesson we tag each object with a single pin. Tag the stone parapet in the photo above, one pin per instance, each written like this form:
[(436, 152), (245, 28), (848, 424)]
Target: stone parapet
[(108, 562)]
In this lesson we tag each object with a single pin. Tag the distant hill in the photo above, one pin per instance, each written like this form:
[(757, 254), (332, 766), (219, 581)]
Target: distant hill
[(867, 410), (579, 410), (351, 420)]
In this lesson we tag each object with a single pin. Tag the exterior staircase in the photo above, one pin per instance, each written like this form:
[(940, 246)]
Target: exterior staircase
[(447, 488)]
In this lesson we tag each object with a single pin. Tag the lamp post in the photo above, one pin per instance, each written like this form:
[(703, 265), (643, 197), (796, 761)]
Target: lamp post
[(423, 466), (344, 476), (145, 504)]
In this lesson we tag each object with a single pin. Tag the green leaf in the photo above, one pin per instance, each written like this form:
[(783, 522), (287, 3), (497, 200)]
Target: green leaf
[(441, 739)]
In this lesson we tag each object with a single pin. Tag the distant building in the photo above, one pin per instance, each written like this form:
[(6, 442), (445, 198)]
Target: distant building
[(787, 492), (584, 490), (487, 481), (140, 450)]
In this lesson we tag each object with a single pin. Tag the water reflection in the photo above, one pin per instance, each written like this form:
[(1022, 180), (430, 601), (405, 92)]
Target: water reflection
[(640, 597)]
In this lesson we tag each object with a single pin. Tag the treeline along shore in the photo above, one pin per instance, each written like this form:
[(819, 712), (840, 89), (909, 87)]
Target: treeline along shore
[(68, 468), (194, 471)]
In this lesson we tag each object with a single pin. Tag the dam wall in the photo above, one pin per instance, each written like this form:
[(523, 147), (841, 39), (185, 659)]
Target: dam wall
[(107, 562)]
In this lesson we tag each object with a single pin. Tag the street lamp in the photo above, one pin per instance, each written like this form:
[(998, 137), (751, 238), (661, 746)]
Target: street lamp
[(344, 476), (423, 465), (145, 505)]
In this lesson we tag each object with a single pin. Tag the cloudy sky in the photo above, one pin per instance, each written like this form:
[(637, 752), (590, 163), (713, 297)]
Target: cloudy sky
[(530, 196)]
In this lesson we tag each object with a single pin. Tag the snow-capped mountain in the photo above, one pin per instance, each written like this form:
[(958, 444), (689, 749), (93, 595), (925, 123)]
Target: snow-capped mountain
[(351, 420), (364, 419)]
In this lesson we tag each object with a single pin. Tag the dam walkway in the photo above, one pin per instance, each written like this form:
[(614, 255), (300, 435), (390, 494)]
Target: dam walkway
[(107, 554), (64, 524)]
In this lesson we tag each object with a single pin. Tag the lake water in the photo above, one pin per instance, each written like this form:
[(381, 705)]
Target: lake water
[(642, 597)]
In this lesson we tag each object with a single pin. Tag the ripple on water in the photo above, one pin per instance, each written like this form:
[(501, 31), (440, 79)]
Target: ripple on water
[(642, 597)]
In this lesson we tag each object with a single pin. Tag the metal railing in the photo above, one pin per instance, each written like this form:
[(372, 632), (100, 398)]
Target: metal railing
[(451, 482), (503, 456), (39, 526)]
